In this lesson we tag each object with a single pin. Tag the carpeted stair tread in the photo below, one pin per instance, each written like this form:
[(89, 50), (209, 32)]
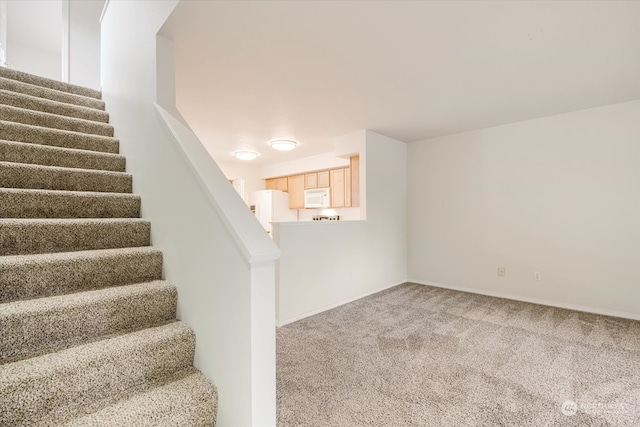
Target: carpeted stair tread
[(20, 175), (48, 274), (88, 330), (35, 326), (49, 83), (21, 100), (184, 399), (22, 203), (54, 121), (54, 383), (51, 94), (21, 152), (39, 236), (11, 131)]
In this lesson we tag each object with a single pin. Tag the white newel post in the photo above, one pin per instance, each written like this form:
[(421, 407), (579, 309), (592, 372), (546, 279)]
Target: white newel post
[(263, 344)]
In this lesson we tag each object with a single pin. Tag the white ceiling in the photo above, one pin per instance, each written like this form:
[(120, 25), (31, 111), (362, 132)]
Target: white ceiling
[(36, 24), (249, 72)]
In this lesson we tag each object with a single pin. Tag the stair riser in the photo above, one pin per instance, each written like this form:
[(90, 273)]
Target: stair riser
[(34, 154), (37, 237), (53, 121), (37, 326), (60, 204), (50, 94), (26, 176), (19, 132), (54, 383), (49, 83), (63, 273), (34, 103)]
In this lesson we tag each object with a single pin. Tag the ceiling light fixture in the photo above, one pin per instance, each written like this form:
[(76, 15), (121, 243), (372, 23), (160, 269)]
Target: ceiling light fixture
[(245, 155), (283, 145)]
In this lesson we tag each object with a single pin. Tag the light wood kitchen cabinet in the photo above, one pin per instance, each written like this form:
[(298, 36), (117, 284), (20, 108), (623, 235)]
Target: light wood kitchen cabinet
[(344, 184), (271, 184), (347, 187), (281, 184), (355, 181), (323, 179), (310, 181), (341, 188), (316, 180), (295, 185), (337, 188)]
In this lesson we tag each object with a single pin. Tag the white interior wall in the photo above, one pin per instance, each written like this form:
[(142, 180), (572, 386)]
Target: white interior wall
[(326, 264), (37, 34), (305, 164), (34, 61), (34, 36), (84, 42), (217, 293), (559, 195), (249, 173)]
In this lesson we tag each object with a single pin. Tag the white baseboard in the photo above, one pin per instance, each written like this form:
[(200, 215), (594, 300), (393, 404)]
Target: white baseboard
[(338, 304), (595, 310)]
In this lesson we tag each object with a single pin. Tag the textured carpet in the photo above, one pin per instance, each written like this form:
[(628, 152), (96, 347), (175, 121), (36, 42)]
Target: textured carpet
[(88, 330), (422, 356)]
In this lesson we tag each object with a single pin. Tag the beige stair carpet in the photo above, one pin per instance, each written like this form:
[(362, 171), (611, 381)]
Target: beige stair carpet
[(88, 328)]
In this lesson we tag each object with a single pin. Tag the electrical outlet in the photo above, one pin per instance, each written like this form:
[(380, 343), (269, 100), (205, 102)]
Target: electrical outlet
[(502, 271), (537, 275)]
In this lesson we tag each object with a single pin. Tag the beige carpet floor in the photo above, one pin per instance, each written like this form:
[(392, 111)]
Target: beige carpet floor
[(422, 356)]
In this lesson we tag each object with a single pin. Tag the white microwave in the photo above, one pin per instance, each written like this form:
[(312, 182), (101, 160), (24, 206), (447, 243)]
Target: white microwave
[(316, 198)]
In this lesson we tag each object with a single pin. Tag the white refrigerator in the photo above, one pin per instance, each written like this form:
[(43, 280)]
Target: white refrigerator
[(273, 206)]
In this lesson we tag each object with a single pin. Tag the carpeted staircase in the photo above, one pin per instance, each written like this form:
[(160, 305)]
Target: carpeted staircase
[(88, 330)]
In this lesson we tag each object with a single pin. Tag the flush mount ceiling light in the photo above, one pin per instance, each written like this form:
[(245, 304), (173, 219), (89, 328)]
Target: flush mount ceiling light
[(283, 145), (245, 155)]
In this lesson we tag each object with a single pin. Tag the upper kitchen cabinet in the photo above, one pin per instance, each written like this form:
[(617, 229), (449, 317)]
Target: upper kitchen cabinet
[(337, 188), (344, 184), (296, 185), (310, 181), (323, 179), (281, 184), (355, 181), (347, 187), (316, 180), (271, 184)]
